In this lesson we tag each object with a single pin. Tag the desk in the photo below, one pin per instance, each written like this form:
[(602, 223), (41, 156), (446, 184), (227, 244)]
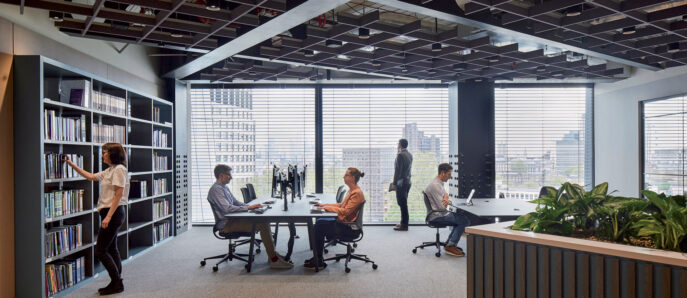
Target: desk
[(299, 211), (492, 207)]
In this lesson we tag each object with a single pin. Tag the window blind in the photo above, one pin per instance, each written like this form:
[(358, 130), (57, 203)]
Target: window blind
[(664, 145), (542, 138), (361, 128)]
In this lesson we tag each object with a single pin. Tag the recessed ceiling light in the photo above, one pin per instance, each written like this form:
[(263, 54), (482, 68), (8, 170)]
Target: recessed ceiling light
[(558, 74), (574, 11), (212, 5), (403, 68), (56, 16), (363, 33), (436, 47), (431, 71), (376, 63), (460, 66), (493, 59), (629, 30), (541, 68), (309, 53), (478, 80), (330, 43)]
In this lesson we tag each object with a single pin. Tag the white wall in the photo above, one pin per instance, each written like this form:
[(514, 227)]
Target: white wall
[(34, 34), (616, 124)]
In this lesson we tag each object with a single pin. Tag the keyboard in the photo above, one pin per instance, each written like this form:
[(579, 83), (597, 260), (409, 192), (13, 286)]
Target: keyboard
[(271, 201), (259, 210), (315, 209)]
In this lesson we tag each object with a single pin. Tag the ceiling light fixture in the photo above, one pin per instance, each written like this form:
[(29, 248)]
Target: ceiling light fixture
[(363, 33), (574, 11), (673, 47), (212, 5), (541, 68), (558, 74), (431, 71), (493, 59), (330, 43), (404, 69), (629, 30), (460, 66), (56, 16), (477, 80), (436, 47), (376, 63), (309, 53)]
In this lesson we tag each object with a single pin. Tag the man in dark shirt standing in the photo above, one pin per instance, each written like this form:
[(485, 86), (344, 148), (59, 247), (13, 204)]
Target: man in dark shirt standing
[(401, 183)]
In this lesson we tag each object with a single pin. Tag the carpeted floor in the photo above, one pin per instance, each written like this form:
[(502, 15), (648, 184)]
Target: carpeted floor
[(173, 270)]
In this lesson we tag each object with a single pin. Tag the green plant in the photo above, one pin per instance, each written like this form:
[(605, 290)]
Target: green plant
[(549, 216), (616, 215), (666, 223)]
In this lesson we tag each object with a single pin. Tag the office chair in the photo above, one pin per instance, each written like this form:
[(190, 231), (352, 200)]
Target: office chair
[(246, 195), (437, 243), (348, 239), (231, 253), (251, 191), (340, 194)]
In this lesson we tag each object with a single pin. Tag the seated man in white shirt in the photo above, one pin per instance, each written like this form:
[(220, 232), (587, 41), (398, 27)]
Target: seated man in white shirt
[(438, 199)]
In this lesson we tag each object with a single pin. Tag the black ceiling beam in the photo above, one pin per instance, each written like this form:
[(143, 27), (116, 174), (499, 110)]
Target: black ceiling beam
[(89, 21)]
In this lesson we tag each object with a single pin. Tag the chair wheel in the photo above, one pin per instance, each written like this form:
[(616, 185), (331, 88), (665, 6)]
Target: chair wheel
[(438, 254), (348, 270), (202, 263), (326, 251), (374, 266), (414, 250), (214, 268), (355, 244), (257, 251)]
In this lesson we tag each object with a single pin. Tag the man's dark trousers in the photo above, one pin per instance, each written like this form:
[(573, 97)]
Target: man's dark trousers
[(402, 200)]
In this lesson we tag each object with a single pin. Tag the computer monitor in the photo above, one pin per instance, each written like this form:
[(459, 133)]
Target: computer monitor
[(303, 175), (275, 182)]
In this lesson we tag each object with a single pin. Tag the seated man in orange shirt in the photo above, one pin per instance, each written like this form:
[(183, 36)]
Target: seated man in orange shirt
[(347, 211)]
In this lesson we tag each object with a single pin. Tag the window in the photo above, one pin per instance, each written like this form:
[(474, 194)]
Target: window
[(543, 137), (664, 145), (361, 128), (279, 123)]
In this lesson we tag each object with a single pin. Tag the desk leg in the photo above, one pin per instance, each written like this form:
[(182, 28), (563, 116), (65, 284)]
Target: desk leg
[(311, 236), (276, 233), (292, 235), (250, 251)]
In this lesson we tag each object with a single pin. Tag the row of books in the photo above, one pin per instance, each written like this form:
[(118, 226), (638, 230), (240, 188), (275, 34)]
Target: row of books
[(109, 103), (64, 127), (161, 232), (63, 239), (138, 189), (160, 209), (64, 274), (160, 186), (103, 133), (56, 168), (159, 139), (63, 202), (160, 162), (156, 114)]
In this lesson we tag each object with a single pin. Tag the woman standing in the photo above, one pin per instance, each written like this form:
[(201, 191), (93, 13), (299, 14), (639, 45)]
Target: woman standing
[(114, 191)]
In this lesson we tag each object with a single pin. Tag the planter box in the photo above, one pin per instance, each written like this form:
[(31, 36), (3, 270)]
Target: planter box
[(507, 263)]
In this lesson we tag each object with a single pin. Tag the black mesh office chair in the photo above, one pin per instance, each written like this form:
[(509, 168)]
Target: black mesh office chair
[(437, 243), (246, 195), (251, 191), (349, 239), (340, 194), (231, 253)]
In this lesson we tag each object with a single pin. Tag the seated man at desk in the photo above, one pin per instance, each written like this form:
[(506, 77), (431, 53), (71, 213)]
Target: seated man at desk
[(438, 199), (223, 202), (347, 211)]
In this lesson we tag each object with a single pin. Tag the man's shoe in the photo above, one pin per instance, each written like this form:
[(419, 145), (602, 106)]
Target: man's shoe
[(278, 262), (400, 228), (310, 264), (454, 251), (113, 288)]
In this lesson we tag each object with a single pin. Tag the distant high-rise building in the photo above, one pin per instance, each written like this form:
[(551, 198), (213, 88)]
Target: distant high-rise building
[(378, 165), (418, 142)]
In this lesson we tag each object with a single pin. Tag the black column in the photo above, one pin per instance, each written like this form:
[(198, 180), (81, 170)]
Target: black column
[(476, 139), (319, 168)]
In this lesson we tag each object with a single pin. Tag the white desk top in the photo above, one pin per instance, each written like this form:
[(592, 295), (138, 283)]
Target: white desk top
[(492, 207), (299, 209)]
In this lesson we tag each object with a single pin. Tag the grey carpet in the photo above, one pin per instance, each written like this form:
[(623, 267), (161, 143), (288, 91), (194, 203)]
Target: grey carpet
[(173, 270)]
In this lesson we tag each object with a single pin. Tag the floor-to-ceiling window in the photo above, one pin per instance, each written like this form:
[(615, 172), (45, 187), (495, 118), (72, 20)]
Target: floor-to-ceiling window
[(664, 145), (250, 130), (543, 137), (361, 128)]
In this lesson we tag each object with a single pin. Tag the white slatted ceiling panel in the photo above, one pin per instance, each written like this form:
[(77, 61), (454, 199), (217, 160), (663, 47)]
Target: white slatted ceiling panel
[(361, 128), (540, 136), (664, 145)]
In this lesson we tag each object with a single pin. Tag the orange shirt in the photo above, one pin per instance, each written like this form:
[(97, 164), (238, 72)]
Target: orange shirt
[(348, 208)]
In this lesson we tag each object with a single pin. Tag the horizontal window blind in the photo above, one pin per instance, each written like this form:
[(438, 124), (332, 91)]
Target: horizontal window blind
[(249, 130), (664, 145), (541, 139), (361, 128)]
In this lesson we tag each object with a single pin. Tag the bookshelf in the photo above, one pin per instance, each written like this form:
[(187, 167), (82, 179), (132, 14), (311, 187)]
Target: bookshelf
[(51, 115)]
